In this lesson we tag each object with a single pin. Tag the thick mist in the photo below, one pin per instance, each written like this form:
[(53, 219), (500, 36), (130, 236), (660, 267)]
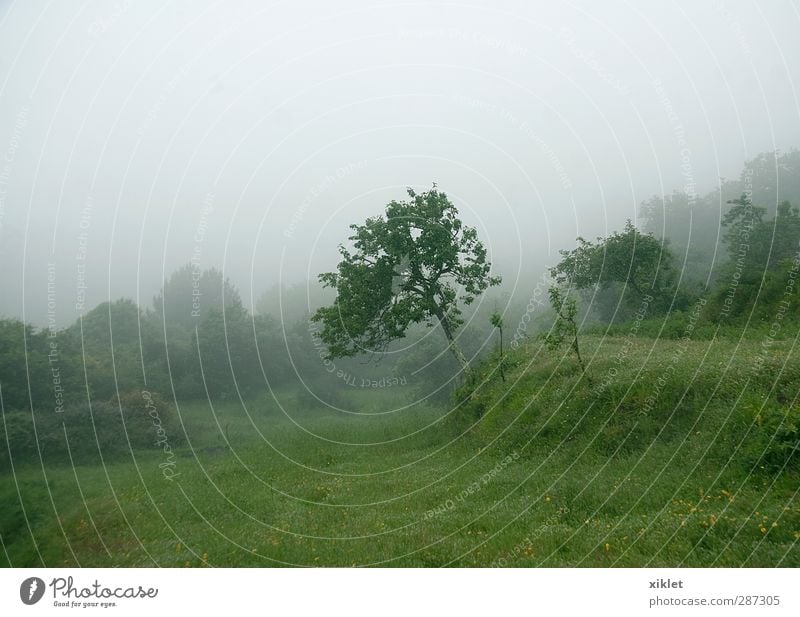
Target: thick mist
[(406, 284), (137, 137)]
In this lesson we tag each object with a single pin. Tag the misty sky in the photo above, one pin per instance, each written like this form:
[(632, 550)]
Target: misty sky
[(135, 136)]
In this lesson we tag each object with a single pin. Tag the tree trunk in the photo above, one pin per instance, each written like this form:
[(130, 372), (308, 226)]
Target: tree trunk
[(577, 351), (454, 348), (502, 369)]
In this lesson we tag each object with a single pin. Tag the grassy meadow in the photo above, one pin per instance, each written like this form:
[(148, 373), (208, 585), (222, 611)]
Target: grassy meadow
[(668, 452)]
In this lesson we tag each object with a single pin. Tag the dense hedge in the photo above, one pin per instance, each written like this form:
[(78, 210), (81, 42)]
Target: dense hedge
[(135, 420)]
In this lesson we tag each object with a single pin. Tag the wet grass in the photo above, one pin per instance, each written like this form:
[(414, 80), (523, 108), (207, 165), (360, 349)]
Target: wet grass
[(679, 457)]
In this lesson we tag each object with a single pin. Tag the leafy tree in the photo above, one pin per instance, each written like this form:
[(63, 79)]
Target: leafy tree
[(118, 321), (629, 261), (191, 300), (190, 294), (106, 341), (741, 219), (226, 344), (412, 265)]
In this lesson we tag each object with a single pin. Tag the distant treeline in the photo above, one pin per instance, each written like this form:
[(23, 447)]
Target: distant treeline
[(694, 224), (101, 378), (737, 248)]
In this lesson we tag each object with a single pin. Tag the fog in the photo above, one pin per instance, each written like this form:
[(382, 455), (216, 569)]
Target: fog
[(139, 136), (570, 341)]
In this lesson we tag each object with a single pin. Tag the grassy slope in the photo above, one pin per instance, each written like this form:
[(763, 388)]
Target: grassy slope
[(554, 471)]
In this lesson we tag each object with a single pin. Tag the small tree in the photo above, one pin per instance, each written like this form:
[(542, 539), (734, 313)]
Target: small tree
[(497, 322), (565, 329), (412, 265)]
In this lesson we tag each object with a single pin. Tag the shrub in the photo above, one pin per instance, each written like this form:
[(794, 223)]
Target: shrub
[(82, 433), (774, 443)]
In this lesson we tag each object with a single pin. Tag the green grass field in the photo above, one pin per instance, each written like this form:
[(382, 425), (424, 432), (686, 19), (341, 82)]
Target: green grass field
[(670, 453)]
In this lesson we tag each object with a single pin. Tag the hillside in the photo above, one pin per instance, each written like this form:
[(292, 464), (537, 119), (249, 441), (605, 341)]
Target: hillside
[(668, 453)]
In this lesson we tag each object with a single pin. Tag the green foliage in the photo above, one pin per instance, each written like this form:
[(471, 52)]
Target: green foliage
[(774, 443), (637, 266), (764, 259), (190, 294), (84, 433), (238, 353), (211, 345), (405, 268), (565, 328), (19, 343), (702, 397), (741, 219)]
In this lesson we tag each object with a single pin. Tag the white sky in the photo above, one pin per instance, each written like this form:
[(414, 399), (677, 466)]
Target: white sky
[(543, 121)]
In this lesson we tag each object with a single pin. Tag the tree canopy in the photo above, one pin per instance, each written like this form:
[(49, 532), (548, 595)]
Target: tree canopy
[(635, 261), (413, 264)]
